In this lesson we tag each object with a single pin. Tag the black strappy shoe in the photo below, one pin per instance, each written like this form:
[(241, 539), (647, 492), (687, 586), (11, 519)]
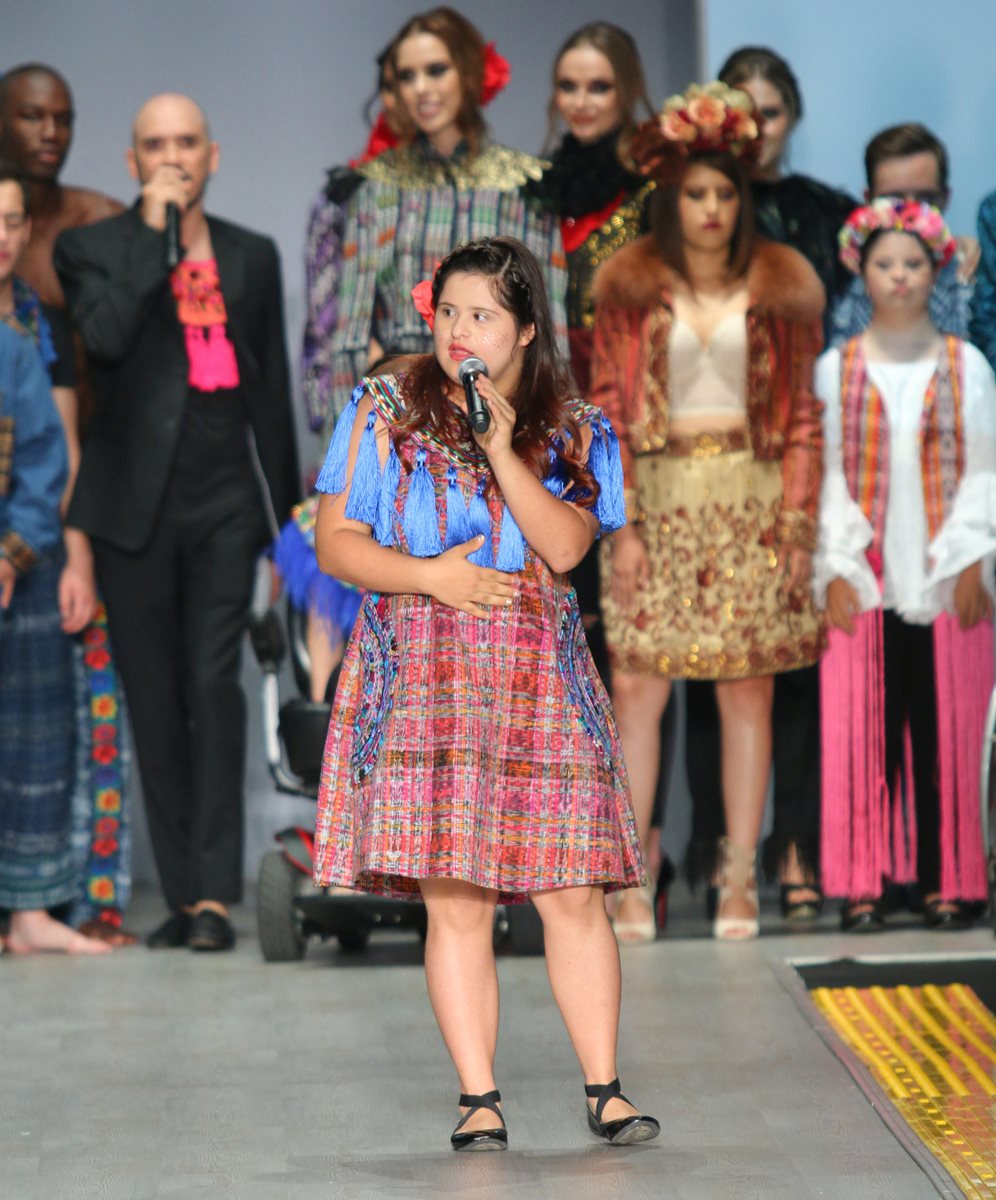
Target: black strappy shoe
[(625, 1131), (480, 1139)]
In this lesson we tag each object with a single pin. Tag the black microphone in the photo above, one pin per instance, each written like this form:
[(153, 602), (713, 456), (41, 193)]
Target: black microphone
[(173, 253), (477, 412)]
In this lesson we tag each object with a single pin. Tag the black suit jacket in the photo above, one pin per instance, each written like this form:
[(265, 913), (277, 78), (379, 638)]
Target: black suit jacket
[(117, 289)]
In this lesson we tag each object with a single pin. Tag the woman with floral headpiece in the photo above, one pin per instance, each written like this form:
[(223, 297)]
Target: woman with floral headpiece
[(705, 338), (905, 563), (806, 214), (381, 226)]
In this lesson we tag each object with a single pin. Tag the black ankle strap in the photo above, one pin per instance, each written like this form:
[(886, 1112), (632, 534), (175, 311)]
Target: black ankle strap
[(474, 1103), (605, 1092)]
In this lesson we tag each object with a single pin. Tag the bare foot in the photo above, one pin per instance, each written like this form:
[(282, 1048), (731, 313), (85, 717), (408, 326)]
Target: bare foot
[(36, 932), (104, 931)]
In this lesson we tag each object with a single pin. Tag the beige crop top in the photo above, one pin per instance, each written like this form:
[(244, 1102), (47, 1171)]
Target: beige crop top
[(712, 379)]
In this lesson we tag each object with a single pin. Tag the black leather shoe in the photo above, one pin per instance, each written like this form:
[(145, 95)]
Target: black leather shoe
[(172, 933), (861, 916), (624, 1131), (947, 919), (211, 931), (480, 1139), (801, 910)]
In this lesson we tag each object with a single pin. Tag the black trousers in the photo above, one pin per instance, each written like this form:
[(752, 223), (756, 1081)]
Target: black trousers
[(177, 611), (795, 761), (911, 695)]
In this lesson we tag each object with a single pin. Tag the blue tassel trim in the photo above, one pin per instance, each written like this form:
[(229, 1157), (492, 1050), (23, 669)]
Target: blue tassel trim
[(421, 521), (308, 589), (511, 544), (458, 526), (384, 529), (332, 477), (364, 488), (606, 466), (556, 478), (480, 521)]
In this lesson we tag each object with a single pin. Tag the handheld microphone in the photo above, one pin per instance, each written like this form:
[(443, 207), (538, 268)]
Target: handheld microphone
[(173, 253), (469, 370)]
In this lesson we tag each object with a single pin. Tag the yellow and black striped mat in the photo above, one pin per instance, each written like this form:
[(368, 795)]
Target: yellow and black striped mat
[(926, 1032)]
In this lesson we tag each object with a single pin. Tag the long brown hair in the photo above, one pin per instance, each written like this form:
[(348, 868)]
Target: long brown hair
[(545, 385), (758, 62), (665, 219), (465, 46), (631, 86)]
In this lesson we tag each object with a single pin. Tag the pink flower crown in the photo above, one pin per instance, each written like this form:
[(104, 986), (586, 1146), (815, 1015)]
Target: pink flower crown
[(714, 118), (895, 215)]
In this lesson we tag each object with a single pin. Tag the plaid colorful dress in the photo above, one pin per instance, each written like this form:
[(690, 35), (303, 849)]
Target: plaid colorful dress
[(481, 750)]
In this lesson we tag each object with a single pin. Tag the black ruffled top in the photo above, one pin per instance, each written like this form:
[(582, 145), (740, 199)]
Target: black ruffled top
[(807, 216)]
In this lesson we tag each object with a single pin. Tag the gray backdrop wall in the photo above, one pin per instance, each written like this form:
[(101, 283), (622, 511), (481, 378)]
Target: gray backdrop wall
[(284, 86)]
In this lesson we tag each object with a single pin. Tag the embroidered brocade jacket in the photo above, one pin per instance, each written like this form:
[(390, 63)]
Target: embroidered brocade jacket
[(631, 370)]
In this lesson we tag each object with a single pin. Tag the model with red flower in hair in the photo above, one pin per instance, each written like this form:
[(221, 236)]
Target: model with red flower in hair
[(381, 226)]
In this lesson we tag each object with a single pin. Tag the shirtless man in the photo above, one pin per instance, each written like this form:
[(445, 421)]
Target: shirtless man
[(36, 131)]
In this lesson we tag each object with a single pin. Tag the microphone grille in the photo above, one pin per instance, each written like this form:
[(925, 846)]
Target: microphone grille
[(471, 366)]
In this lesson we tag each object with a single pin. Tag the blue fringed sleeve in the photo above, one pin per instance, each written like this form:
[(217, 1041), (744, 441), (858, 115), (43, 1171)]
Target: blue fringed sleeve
[(605, 464), (332, 477)]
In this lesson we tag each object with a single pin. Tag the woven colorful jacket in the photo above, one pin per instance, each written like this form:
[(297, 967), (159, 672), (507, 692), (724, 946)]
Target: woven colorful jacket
[(381, 228)]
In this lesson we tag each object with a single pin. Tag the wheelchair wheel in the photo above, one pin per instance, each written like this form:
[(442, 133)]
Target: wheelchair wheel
[(281, 931), (353, 940)]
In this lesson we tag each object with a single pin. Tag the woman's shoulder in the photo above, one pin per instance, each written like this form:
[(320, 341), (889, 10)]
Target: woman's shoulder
[(634, 277), (804, 190), (416, 167), (783, 282)]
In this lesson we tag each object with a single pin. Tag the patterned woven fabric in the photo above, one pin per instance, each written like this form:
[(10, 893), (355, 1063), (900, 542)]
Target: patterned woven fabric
[(410, 210), (37, 746), (482, 750)]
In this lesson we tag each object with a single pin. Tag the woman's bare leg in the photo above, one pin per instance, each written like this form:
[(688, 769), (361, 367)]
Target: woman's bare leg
[(639, 702), (745, 721), (463, 982), (582, 961)]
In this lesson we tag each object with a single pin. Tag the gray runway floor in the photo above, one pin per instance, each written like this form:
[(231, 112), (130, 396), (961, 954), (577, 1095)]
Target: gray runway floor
[(181, 1075)]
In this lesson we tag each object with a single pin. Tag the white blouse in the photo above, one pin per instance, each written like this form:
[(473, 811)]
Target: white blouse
[(918, 579), (709, 379)]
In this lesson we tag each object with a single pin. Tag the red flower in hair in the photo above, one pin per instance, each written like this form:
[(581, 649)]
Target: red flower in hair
[(497, 73), (422, 295), (382, 137)]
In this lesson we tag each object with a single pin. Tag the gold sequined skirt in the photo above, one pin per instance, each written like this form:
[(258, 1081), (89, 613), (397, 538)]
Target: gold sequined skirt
[(716, 605)]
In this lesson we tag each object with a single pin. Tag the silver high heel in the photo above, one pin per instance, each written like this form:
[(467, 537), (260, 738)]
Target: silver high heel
[(736, 875)]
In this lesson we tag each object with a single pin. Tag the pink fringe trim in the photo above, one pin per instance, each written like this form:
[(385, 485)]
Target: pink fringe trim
[(854, 852), (963, 666), (866, 834), (211, 358)]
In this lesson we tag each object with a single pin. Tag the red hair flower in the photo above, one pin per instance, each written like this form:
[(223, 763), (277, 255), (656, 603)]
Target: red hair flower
[(497, 73), (382, 137), (422, 295)]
